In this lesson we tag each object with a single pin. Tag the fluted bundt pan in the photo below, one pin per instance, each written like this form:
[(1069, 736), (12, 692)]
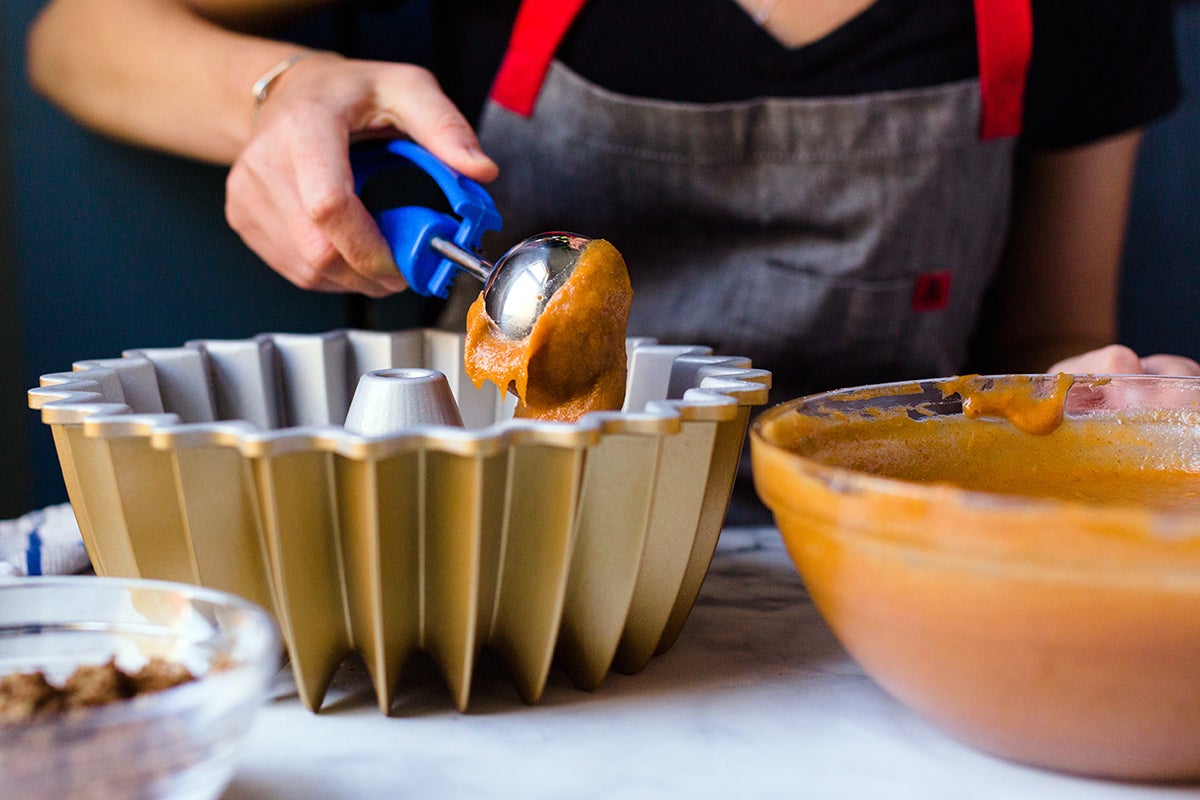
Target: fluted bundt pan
[(225, 463)]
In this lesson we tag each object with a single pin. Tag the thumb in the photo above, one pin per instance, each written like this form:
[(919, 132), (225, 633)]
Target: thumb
[(452, 140), (435, 123)]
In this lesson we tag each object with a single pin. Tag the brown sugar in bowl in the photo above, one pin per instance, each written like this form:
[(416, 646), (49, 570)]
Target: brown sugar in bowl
[(1036, 596)]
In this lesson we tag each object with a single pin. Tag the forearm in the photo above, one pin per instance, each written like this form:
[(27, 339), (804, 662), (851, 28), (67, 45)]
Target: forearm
[(1056, 292), (178, 75), (154, 72)]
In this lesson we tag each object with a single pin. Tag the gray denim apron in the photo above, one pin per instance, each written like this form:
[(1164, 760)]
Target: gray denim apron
[(835, 241)]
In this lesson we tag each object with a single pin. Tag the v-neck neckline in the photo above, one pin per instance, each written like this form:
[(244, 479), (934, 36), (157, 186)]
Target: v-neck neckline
[(729, 23)]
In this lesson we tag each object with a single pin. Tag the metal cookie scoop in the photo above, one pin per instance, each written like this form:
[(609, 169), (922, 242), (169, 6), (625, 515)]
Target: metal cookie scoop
[(517, 288), (432, 247)]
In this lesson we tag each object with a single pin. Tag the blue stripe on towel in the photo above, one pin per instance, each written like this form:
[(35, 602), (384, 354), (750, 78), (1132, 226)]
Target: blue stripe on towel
[(33, 556)]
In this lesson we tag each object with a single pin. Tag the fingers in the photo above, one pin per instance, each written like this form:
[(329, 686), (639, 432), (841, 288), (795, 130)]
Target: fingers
[(1114, 359), (264, 205), (332, 228), (1120, 360), (1161, 364)]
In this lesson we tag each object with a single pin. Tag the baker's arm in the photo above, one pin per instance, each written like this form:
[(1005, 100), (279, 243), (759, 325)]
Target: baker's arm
[(176, 75), (160, 73), (1056, 291)]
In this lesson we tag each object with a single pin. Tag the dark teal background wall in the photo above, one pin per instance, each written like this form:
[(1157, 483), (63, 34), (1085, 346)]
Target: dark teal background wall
[(14, 447), (105, 248), (1161, 297)]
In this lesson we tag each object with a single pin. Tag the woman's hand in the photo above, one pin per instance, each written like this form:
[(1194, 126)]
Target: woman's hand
[(1117, 359), (290, 192)]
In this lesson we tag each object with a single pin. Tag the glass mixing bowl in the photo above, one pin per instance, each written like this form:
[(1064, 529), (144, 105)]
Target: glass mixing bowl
[(175, 743), (1035, 594)]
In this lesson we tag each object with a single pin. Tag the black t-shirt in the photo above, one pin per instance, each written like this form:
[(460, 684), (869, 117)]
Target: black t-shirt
[(1098, 67)]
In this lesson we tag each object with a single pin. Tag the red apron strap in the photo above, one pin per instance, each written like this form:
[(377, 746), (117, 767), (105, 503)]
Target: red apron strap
[(1003, 31), (1004, 36), (537, 32)]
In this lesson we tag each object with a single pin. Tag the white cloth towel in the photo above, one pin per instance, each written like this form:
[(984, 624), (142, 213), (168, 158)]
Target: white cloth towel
[(42, 542)]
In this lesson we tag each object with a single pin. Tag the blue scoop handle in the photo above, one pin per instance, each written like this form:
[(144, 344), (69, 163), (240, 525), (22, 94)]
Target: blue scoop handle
[(410, 230)]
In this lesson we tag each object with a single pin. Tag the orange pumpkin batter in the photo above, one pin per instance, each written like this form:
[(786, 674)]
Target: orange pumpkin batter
[(1016, 401), (1013, 439), (573, 361)]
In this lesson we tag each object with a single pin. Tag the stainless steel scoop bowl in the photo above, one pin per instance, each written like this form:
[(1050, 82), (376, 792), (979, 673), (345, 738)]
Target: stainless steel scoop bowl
[(518, 286)]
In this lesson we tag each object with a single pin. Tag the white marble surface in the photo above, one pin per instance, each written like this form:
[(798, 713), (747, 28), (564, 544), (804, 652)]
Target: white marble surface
[(756, 699)]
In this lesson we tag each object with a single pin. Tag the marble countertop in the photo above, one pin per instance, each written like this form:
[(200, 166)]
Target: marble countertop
[(755, 699)]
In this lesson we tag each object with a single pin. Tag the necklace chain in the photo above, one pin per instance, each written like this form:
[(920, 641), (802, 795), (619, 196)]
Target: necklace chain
[(764, 11)]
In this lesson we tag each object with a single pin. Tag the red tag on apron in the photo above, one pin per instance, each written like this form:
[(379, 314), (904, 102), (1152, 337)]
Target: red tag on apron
[(932, 292)]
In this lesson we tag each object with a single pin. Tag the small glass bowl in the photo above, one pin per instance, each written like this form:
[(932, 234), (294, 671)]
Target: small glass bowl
[(175, 743)]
